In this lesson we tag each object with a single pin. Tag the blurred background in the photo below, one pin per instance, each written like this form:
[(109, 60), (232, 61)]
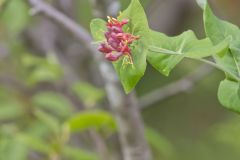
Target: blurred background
[(53, 105)]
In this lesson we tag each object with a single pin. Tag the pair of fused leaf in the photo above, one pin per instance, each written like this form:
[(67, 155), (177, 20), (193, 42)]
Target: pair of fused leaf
[(164, 53), (218, 30), (129, 74)]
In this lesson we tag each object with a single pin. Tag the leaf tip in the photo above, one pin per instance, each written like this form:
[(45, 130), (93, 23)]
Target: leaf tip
[(202, 3)]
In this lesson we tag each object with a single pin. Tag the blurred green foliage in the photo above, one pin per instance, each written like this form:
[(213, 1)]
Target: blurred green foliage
[(40, 69), (95, 119), (15, 16), (44, 123), (88, 94), (53, 103)]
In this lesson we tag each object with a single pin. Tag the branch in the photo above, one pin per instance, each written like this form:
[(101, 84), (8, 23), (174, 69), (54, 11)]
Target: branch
[(182, 85), (76, 29)]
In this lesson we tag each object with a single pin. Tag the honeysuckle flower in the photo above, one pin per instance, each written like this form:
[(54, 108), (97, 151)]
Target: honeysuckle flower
[(117, 42)]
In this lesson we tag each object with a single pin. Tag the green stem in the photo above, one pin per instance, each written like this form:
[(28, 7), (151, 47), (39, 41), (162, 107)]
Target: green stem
[(220, 68)]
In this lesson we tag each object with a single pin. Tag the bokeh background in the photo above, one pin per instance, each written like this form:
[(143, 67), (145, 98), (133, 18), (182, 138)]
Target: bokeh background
[(46, 77)]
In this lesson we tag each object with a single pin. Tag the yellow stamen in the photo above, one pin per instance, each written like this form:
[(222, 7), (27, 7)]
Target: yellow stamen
[(127, 60), (114, 19), (109, 19)]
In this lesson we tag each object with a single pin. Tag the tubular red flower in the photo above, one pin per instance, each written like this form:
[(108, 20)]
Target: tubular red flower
[(105, 48), (113, 57), (117, 42)]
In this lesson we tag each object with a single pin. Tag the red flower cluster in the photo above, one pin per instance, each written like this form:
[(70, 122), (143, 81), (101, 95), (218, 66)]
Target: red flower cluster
[(117, 41)]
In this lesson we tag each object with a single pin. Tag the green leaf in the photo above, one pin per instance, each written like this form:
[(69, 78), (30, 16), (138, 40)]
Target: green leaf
[(124, 3), (41, 69), (53, 102), (35, 143), (17, 151), (50, 121), (38, 128), (138, 25), (218, 30), (10, 105), (229, 95), (87, 93), (11, 149), (129, 74), (10, 110), (98, 28), (91, 119), (15, 16), (166, 52), (78, 154)]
